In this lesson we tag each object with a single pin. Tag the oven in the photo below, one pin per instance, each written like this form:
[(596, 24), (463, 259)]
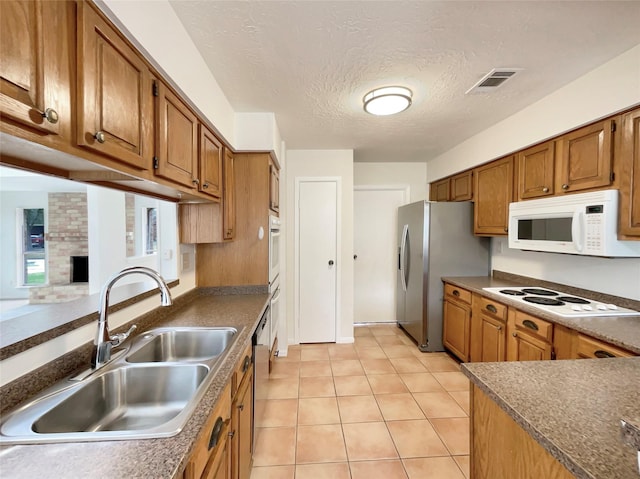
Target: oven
[(274, 250), (275, 315)]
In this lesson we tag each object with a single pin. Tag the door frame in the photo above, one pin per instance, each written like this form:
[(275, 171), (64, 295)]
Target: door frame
[(405, 189), (299, 180)]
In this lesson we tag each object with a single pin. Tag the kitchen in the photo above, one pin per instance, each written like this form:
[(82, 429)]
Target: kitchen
[(259, 131)]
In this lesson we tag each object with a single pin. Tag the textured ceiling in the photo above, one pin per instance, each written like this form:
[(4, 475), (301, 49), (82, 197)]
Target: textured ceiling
[(311, 62)]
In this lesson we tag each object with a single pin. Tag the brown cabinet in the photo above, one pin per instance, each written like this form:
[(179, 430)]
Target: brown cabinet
[(462, 186), (176, 139), (488, 330), (629, 165), (229, 200), (588, 347), (585, 158), (274, 187), (244, 261), (493, 191), (536, 171), (31, 33), (115, 93), (241, 435), (210, 458), (457, 321), (529, 338), (439, 190), (210, 157)]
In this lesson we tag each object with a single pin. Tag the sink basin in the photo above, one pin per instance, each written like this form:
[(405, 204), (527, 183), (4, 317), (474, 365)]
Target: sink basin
[(182, 344), (149, 391), (128, 398)]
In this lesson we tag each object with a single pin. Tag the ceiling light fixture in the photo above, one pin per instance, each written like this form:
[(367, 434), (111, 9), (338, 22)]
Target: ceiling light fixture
[(387, 101)]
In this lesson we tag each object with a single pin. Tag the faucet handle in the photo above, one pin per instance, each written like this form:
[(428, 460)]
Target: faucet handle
[(117, 339)]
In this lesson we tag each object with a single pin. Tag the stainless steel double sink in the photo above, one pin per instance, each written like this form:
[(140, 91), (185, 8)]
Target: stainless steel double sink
[(148, 391)]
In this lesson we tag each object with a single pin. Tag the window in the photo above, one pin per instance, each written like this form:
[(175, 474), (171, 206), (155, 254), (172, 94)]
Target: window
[(32, 257), (150, 230)]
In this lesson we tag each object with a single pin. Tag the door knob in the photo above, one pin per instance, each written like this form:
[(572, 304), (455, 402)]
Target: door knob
[(355, 256), (330, 262)]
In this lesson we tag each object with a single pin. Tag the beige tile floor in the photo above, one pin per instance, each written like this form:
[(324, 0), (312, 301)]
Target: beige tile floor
[(375, 409)]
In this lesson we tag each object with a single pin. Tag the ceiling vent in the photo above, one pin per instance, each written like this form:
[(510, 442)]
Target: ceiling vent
[(493, 80)]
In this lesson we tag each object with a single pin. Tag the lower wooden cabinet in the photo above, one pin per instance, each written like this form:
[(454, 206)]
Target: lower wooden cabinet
[(588, 347), (210, 458), (488, 330), (500, 448), (241, 434), (529, 338), (457, 321)]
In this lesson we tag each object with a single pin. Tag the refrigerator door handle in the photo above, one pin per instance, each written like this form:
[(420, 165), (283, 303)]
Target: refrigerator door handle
[(403, 260)]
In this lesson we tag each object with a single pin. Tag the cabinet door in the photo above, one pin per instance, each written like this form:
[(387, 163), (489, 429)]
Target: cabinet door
[(493, 339), (536, 168), (493, 190), (586, 157), (530, 348), (26, 95), (457, 321), (274, 188), (630, 175), (588, 347), (228, 203), (462, 186), (440, 190), (177, 139), (241, 438), (210, 156), (115, 94)]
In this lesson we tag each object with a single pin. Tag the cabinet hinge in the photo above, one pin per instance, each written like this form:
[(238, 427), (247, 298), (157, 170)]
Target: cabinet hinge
[(613, 126), (156, 89), (612, 176), (155, 163)]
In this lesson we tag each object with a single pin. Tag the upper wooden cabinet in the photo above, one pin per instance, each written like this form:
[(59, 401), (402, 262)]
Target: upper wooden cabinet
[(176, 139), (630, 174), (462, 186), (585, 158), (28, 71), (274, 187), (493, 190), (115, 96), (229, 201), (439, 190), (210, 156), (536, 171)]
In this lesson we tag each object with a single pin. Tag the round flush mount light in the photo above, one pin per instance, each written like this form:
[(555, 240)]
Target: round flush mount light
[(387, 101)]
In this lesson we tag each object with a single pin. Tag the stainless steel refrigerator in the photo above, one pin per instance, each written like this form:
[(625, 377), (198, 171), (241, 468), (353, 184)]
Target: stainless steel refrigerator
[(435, 239)]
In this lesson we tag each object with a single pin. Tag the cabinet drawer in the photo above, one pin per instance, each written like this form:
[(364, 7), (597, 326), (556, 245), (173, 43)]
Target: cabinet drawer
[(207, 446), (535, 326), (592, 348), (493, 308), (457, 293), (242, 368)]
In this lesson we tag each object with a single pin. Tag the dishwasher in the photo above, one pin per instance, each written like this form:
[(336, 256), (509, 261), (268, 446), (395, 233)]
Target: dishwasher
[(261, 343)]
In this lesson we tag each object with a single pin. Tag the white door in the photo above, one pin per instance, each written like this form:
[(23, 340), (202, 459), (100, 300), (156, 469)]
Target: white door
[(375, 247), (317, 257)]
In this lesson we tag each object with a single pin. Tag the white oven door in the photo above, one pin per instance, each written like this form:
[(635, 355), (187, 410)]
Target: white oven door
[(274, 251), (275, 314)]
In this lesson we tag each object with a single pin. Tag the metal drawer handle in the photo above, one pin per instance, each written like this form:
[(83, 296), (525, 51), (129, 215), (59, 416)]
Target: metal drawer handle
[(215, 433), (603, 354), (492, 308), (545, 190), (530, 324), (246, 363), (456, 292)]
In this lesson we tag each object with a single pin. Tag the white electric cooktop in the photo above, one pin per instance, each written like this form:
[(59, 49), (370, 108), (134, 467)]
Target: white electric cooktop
[(559, 303)]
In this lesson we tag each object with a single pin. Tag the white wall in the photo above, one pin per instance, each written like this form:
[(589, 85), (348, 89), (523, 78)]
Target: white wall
[(258, 131), (609, 88), (323, 163), (413, 175)]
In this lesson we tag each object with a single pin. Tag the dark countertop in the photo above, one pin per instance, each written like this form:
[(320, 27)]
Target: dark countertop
[(622, 331), (157, 458), (572, 408)]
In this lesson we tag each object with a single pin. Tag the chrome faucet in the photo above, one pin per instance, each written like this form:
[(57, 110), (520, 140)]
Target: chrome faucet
[(104, 341)]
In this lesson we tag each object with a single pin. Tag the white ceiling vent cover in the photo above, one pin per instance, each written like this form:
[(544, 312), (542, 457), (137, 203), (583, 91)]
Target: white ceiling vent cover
[(493, 80)]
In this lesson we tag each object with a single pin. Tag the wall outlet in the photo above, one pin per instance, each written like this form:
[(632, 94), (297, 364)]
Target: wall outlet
[(167, 254)]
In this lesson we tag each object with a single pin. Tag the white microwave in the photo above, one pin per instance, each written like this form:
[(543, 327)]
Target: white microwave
[(583, 224)]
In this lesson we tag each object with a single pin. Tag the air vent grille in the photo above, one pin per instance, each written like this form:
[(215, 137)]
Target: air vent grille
[(493, 80)]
